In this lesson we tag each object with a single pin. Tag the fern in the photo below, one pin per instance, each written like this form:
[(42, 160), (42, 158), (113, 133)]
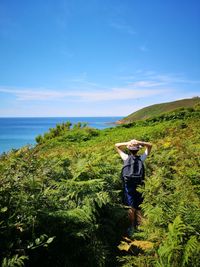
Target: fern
[(137, 261), (68, 187), (191, 250), (14, 261), (174, 251)]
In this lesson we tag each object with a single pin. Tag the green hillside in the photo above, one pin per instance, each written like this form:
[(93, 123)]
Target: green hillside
[(60, 201), (158, 109)]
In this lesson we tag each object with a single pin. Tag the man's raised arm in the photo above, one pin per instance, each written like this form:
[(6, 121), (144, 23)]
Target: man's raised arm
[(120, 151)]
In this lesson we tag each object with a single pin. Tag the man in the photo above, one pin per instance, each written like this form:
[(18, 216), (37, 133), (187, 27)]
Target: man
[(132, 197)]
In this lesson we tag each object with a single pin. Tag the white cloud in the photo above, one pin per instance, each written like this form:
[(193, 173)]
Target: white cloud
[(32, 94), (92, 99), (123, 27), (170, 78), (121, 93), (146, 84), (151, 78), (117, 94), (137, 90), (143, 84)]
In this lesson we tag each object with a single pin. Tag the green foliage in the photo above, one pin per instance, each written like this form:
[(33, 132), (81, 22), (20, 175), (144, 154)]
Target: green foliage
[(53, 132), (180, 114), (60, 202), (64, 129), (15, 261), (157, 109), (176, 250)]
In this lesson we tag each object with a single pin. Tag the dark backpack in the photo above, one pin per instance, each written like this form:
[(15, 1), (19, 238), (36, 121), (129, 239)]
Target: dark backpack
[(133, 170)]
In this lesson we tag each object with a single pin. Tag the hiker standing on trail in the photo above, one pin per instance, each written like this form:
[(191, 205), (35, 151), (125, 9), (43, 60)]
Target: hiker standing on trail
[(132, 176)]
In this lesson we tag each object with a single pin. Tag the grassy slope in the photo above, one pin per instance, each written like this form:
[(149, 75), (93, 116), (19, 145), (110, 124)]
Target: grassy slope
[(158, 109), (169, 177), (101, 148)]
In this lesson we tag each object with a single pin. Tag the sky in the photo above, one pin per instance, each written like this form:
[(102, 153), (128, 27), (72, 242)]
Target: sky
[(70, 58)]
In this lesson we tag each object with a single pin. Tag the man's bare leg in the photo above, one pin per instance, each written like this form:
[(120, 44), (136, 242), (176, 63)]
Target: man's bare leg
[(132, 216), (138, 217)]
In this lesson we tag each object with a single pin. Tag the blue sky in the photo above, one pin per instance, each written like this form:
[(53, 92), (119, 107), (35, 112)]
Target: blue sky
[(96, 57)]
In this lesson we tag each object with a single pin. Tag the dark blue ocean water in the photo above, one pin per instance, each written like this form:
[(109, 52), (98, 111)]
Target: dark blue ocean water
[(17, 132)]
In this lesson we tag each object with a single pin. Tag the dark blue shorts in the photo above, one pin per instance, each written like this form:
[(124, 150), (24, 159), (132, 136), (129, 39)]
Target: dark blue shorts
[(132, 197)]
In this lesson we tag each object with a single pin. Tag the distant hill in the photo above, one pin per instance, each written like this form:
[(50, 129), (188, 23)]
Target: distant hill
[(158, 109)]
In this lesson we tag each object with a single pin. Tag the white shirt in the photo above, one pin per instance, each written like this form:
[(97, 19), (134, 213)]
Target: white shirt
[(124, 156)]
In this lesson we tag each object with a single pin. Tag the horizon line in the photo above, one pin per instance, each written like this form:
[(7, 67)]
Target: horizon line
[(13, 117)]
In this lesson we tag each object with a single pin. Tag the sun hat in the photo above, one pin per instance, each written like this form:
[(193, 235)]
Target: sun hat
[(134, 148)]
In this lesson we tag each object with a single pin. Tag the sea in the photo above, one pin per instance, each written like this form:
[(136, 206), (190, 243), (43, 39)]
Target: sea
[(18, 132)]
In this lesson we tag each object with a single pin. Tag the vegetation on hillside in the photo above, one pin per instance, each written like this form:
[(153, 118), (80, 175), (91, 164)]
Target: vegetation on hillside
[(60, 202), (158, 109)]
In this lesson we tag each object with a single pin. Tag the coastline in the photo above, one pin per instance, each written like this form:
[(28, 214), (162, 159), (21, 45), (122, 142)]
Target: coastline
[(20, 131), (119, 122)]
